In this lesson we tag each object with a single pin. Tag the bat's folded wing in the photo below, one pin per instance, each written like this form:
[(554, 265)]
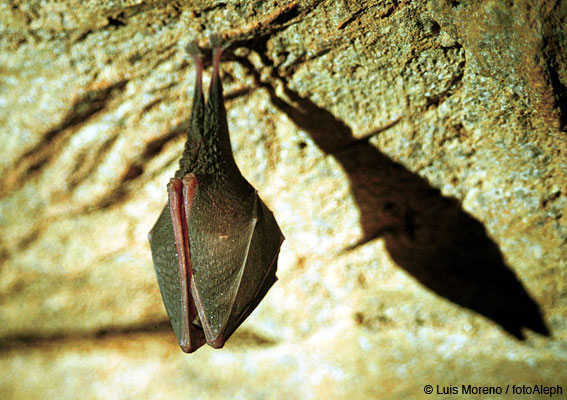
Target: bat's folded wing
[(171, 279), (232, 268)]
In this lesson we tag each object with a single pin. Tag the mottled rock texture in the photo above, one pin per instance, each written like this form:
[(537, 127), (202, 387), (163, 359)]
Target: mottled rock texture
[(413, 152)]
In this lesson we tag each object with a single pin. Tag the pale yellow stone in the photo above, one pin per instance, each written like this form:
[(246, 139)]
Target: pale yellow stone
[(412, 156)]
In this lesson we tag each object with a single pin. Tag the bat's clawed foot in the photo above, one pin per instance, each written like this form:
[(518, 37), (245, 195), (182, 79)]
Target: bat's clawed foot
[(216, 42), (192, 48), (218, 45)]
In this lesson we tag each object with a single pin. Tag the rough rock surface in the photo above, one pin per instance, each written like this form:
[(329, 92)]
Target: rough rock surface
[(413, 153)]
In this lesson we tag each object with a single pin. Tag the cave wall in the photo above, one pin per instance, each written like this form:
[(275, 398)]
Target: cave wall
[(413, 153)]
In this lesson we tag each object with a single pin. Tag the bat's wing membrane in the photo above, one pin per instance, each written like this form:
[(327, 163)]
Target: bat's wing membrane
[(171, 272), (259, 269), (233, 260)]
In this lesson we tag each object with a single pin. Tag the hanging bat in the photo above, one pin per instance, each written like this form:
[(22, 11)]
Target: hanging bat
[(215, 245)]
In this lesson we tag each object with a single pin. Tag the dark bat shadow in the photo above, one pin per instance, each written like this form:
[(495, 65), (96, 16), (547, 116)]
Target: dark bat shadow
[(427, 234)]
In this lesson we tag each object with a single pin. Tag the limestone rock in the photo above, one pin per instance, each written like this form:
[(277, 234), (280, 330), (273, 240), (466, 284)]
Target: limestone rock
[(412, 152)]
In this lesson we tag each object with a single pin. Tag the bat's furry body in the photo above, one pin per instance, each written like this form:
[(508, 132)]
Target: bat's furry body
[(215, 245)]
